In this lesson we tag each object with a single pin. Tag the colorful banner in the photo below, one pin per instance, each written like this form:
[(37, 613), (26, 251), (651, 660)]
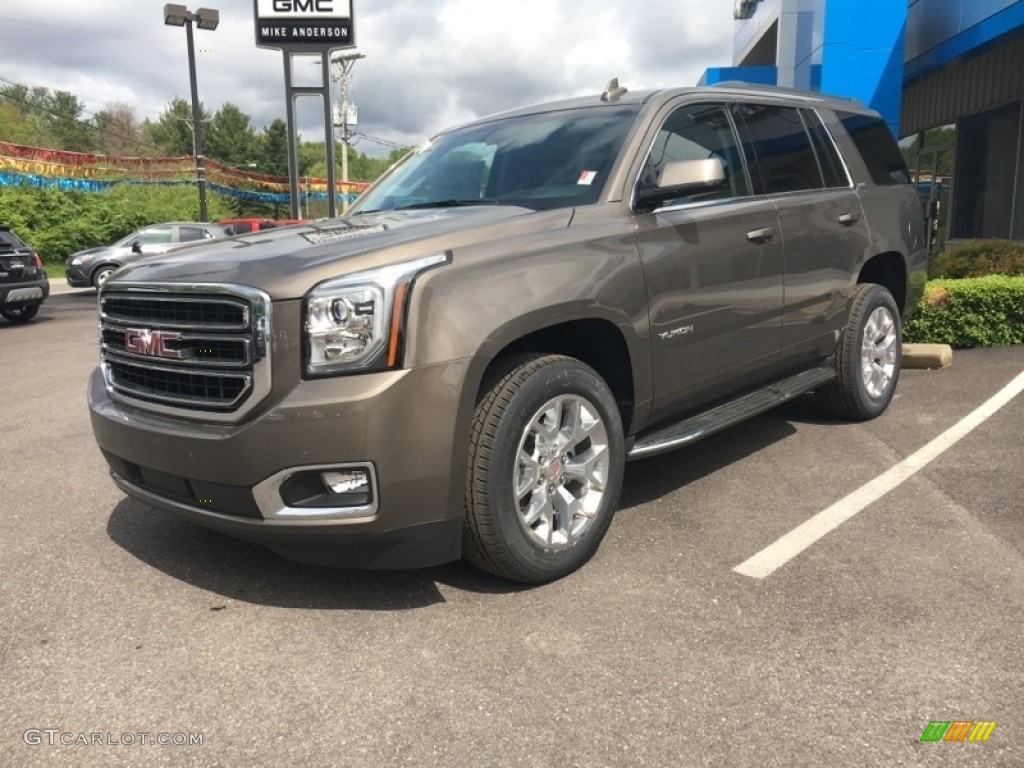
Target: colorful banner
[(37, 166)]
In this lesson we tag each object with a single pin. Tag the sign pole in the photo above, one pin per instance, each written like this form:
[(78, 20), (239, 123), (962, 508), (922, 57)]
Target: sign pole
[(309, 27)]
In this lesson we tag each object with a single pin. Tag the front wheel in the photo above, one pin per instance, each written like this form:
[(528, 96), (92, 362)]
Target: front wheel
[(868, 358), (545, 469), (102, 275), (20, 314)]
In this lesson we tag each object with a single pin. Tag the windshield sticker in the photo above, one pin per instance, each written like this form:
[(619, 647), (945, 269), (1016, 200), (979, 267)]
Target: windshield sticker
[(587, 178), (322, 236)]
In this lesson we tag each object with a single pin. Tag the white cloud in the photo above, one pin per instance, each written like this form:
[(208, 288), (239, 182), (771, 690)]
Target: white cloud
[(429, 65)]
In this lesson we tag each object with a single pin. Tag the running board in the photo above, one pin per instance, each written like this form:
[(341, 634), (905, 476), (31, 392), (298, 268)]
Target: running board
[(728, 414)]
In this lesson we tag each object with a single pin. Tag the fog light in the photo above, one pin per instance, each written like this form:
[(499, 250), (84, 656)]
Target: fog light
[(349, 481)]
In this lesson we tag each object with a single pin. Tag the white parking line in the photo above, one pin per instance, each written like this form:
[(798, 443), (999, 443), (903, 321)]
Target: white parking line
[(781, 551)]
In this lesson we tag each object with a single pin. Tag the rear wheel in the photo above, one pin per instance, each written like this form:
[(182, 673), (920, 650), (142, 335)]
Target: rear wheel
[(545, 469), (868, 358), (20, 314)]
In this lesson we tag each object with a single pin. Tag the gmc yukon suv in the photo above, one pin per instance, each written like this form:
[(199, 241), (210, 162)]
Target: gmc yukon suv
[(462, 364)]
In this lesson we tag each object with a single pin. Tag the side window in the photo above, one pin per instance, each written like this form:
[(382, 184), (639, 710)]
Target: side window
[(785, 157), (188, 234), (241, 228), (698, 132), (877, 146), (828, 156), (155, 235), (267, 225)]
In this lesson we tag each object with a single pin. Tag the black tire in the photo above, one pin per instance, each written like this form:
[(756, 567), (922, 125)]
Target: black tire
[(868, 358), (524, 405), (20, 314), (99, 277)]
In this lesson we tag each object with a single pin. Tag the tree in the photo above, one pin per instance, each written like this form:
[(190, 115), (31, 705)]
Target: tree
[(66, 123), (273, 149), (118, 131), (172, 132), (230, 137)]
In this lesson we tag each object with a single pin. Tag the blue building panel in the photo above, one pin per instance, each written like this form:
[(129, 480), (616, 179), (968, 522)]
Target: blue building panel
[(862, 60), (938, 35), (757, 75)]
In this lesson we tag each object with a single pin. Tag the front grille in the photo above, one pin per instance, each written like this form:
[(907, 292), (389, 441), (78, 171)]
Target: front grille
[(201, 352)]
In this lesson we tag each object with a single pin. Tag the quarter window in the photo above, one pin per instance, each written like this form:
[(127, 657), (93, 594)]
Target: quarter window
[(877, 146)]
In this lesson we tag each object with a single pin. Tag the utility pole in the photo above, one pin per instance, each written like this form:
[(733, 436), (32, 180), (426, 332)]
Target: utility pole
[(344, 64)]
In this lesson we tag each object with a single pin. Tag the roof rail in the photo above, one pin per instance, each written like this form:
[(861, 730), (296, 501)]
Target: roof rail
[(808, 95)]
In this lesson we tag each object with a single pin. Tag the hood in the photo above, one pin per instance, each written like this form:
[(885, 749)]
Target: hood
[(287, 261), (90, 251)]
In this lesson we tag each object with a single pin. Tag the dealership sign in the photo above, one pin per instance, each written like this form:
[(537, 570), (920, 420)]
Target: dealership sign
[(314, 25)]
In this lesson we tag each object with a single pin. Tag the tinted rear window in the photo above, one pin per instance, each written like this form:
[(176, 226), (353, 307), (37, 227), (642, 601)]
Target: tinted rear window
[(9, 240), (785, 157), (877, 146)]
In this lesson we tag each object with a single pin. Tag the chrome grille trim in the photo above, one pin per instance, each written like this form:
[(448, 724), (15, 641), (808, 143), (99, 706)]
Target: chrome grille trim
[(225, 370)]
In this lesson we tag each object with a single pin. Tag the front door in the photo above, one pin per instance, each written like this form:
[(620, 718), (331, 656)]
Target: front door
[(713, 267)]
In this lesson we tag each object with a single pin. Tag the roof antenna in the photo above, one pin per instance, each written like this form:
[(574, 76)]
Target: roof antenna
[(613, 91)]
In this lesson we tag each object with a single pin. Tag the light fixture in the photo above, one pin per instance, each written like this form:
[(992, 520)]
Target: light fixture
[(207, 18), (175, 15)]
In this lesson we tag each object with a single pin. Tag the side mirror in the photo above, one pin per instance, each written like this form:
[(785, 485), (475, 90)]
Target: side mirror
[(681, 178), (136, 246)]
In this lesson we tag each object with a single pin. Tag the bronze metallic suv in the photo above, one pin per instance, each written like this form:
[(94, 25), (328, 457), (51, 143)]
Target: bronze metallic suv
[(463, 363)]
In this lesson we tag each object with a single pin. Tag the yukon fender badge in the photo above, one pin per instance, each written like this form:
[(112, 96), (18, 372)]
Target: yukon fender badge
[(675, 332)]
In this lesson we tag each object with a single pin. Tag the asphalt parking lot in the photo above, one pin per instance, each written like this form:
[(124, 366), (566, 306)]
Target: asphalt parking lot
[(119, 620)]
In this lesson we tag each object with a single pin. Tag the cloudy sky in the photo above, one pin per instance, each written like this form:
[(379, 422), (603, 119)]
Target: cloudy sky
[(430, 63)]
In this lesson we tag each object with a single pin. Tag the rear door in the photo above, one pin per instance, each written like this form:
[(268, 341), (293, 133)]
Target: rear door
[(713, 267), (825, 236)]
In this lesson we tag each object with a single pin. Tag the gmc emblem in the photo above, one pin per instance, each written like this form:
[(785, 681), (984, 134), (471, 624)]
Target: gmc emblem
[(141, 341)]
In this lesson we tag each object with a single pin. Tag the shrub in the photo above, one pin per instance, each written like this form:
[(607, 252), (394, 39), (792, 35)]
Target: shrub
[(977, 258), (973, 312)]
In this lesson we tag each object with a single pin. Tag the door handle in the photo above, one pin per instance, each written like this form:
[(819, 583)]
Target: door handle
[(849, 219), (760, 236)]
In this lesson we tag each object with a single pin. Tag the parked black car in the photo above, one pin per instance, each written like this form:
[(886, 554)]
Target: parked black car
[(23, 282)]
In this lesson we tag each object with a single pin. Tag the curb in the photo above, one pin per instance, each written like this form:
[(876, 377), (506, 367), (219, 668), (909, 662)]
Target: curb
[(927, 356)]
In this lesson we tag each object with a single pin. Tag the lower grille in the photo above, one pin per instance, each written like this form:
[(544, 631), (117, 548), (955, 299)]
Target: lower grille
[(199, 351)]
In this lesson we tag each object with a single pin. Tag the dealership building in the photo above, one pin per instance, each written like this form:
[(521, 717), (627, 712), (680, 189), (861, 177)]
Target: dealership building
[(947, 75)]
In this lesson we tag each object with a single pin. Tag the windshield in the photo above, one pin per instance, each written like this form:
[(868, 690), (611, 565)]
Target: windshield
[(541, 161)]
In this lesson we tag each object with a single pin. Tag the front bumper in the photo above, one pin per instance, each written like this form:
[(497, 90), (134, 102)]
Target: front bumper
[(78, 277), (402, 425)]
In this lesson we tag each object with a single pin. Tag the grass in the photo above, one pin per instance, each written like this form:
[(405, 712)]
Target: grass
[(55, 271)]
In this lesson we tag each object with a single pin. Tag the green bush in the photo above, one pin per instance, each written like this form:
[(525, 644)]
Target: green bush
[(58, 222), (973, 312), (977, 258)]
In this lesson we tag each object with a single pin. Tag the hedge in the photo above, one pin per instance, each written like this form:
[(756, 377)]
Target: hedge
[(972, 312), (977, 258)]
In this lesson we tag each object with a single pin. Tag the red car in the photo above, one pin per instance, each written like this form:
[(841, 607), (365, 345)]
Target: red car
[(244, 226)]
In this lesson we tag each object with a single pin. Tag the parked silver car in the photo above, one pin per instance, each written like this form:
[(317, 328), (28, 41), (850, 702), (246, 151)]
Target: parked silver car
[(93, 266)]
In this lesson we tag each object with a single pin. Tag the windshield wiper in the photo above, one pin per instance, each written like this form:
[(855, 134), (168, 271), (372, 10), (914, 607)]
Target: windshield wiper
[(447, 204)]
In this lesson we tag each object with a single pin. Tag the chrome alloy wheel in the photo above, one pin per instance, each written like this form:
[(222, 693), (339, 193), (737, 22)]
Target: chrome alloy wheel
[(561, 471), (879, 347)]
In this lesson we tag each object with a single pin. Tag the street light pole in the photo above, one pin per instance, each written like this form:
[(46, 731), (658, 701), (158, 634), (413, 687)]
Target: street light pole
[(207, 18), (345, 64)]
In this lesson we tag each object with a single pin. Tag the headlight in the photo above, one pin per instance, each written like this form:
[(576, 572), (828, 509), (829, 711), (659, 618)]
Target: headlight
[(354, 323), (81, 261)]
